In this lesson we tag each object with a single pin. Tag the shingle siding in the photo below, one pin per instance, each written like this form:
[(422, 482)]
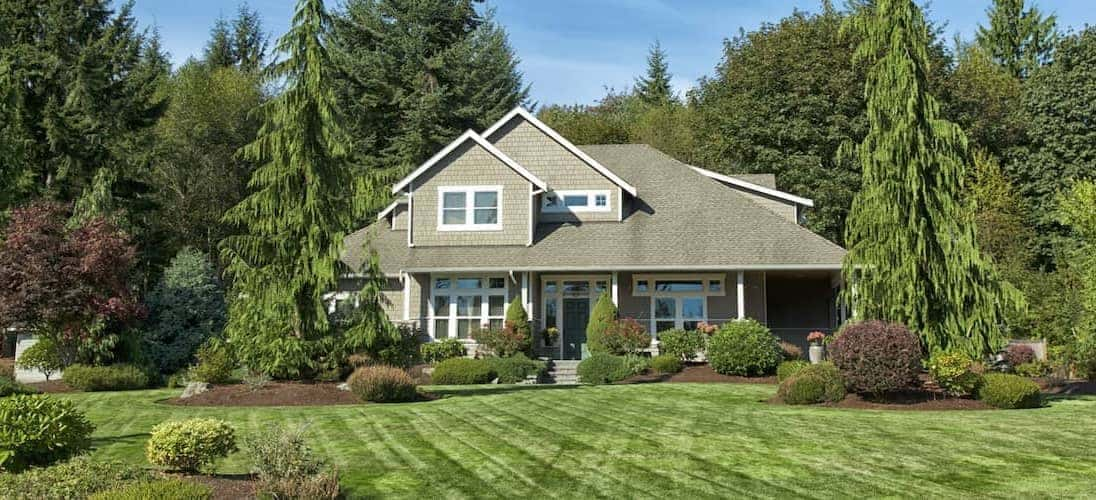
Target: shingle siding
[(399, 217)]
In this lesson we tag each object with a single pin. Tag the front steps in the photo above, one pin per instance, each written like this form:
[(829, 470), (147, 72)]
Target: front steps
[(563, 371)]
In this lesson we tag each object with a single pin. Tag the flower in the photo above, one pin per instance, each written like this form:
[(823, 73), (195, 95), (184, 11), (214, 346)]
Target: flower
[(816, 337), (706, 328)]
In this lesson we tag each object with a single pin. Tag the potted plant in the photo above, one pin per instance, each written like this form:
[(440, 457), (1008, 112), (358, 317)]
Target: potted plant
[(816, 338), (550, 335)]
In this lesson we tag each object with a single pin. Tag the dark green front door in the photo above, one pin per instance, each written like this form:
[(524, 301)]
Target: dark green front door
[(576, 313)]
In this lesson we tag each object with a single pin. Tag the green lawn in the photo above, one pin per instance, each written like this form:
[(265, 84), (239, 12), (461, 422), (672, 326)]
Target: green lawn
[(655, 440)]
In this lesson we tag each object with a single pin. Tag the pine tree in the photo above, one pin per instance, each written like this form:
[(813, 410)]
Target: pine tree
[(913, 255), (219, 50), (299, 211), (1019, 40), (249, 40), (654, 89)]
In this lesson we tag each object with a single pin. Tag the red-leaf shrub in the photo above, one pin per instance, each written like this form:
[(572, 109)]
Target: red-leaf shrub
[(1018, 354), (625, 336), (506, 341), (876, 357)]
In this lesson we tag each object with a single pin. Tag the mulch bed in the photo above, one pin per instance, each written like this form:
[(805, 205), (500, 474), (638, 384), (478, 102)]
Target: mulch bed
[(909, 401), (271, 394), (226, 486), (699, 373), (52, 387)]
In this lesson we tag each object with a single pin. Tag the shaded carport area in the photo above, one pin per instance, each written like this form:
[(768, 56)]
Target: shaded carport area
[(799, 302)]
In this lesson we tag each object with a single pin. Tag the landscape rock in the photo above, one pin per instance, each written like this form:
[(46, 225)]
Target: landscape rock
[(343, 386), (194, 389)]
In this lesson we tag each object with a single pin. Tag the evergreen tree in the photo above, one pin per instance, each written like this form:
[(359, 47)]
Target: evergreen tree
[(219, 50), (249, 40), (601, 318), (913, 254), (294, 221), (1019, 40), (654, 88), (186, 308)]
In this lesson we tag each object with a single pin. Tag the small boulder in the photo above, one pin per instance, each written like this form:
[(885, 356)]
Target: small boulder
[(343, 387), (194, 389)]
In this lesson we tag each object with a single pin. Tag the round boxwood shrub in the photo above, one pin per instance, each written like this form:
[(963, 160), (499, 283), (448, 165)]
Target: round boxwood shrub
[(441, 350), (813, 384), (789, 368), (684, 344), (876, 357), (951, 370), (603, 368), (189, 445), (105, 378), (462, 371), (1008, 391), (666, 363), (39, 430), (515, 369), (382, 384), (744, 347)]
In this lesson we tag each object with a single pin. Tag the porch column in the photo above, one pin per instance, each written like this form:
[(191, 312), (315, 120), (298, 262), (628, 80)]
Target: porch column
[(525, 294), (615, 289), (741, 291)]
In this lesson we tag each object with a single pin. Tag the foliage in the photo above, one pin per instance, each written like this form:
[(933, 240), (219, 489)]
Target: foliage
[(509, 340), (624, 336), (1077, 210), (243, 44), (602, 317), (951, 370), (40, 430), (215, 364), (1008, 391), (72, 284), (519, 318), (685, 344), (190, 445), (462, 371), (909, 225), (186, 308), (366, 330), (441, 350), (42, 356), (601, 368), (788, 369), (876, 357), (160, 489), (120, 377), (1018, 354), (1017, 39), (666, 363), (286, 256), (287, 467), (79, 477), (1032, 369), (984, 99), (744, 347), (516, 368), (9, 386), (654, 88), (820, 383), (382, 384), (790, 351)]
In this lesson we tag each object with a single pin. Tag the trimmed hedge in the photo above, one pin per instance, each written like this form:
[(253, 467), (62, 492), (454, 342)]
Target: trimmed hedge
[(40, 430), (105, 378), (876, 357), (382, 384), (190, 445), (79, 477), (463, 371), (684, 344), (160, 489), (604, 368), (441, 350), (667, 363), (813, 384), (787, 369), (1008, 391), (515, 369), (744, 347)]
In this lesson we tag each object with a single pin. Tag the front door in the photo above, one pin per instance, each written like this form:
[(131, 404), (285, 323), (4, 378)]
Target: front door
[(576, 313)]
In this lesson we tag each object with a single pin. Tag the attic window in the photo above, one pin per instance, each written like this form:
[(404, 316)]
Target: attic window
[(576, 201), (469, 208)]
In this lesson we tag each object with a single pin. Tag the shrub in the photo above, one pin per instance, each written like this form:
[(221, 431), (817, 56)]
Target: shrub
[(877, 357), (186, 308), (42, 356), (604, 368), (1032, 369), (160, 489), (788, 369), (215, 365), (603, 314), (324, 485), (515, 369), (820, 383), (506, 341), (743, 347), (1018, 354), (625, 336), (666, 363), (9, 386), (519, 318), (286, 466), (79, 477), (382, 384), (462, 371), (105, 378), (951, 370), (441, 350), (790, 351), (1008, 391), (684, 344), (190, 445), (39, 430)]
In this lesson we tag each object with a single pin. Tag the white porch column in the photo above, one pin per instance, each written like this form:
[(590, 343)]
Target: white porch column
[(525, 294), (741, 291), (615, 286)]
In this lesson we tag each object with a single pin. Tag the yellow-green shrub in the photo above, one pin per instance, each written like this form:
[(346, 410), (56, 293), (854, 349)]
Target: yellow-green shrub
[(189, 445)]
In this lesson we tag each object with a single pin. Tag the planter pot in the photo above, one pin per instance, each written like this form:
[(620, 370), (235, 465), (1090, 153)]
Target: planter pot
[(815, 354)]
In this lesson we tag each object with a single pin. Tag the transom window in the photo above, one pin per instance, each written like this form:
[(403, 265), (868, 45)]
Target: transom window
[(460, 305), (646, 285), (469, 208), (576, 201)]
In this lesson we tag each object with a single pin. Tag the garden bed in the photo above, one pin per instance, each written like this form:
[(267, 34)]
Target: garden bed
[(699, 373), (271, 394), (910, 401), (225, 486), (52, 386)]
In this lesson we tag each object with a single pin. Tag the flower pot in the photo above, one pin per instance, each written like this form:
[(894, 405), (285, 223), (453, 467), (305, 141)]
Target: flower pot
[(815, 353)]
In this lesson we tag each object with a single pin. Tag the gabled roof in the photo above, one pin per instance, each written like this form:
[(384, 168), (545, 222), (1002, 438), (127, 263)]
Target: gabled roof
[(387, 210), (754, 187), (520, 111), (470, 135)]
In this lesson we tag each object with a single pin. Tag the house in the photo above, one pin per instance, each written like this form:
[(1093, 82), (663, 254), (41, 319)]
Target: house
[(519, 211)]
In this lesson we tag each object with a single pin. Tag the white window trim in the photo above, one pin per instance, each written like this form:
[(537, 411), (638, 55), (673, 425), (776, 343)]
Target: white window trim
[(469, 208), (705, 279), (679, 317), (452, 293), (590, 194)]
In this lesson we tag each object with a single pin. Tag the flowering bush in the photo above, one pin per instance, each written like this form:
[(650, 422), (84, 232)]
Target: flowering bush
[(706, 328), (625, 336), (506, 341), (816, 337), (951, 370)]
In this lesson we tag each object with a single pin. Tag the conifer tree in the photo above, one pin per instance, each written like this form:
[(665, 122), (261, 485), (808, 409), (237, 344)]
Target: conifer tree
[(1017, 39), (249, 40), (913, 255), (219, 51), (294, 221), (654, 88)]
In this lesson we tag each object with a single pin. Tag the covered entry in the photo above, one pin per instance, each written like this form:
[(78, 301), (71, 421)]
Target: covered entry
[(566, 304)]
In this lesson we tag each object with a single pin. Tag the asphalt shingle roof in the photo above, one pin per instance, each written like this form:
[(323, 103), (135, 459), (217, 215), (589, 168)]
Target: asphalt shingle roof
[(680, 220)]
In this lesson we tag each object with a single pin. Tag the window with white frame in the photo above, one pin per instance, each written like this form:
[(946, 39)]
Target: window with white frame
[(678, 301), (461, 305), (576, 201), (469, 208)]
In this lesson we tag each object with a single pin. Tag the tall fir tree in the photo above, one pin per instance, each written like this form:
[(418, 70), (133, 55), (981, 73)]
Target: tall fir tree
[(654, 88), (913, 254), (219, 50), (1018, 39), (294, 221), (249, 40)]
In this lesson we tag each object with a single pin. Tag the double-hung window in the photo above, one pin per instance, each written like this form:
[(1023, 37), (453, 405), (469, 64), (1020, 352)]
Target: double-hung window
[(470, 208), (461, 305), (576, 201)]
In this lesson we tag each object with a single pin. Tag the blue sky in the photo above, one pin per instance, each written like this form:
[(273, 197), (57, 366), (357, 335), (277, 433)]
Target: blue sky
[(571, 50)]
